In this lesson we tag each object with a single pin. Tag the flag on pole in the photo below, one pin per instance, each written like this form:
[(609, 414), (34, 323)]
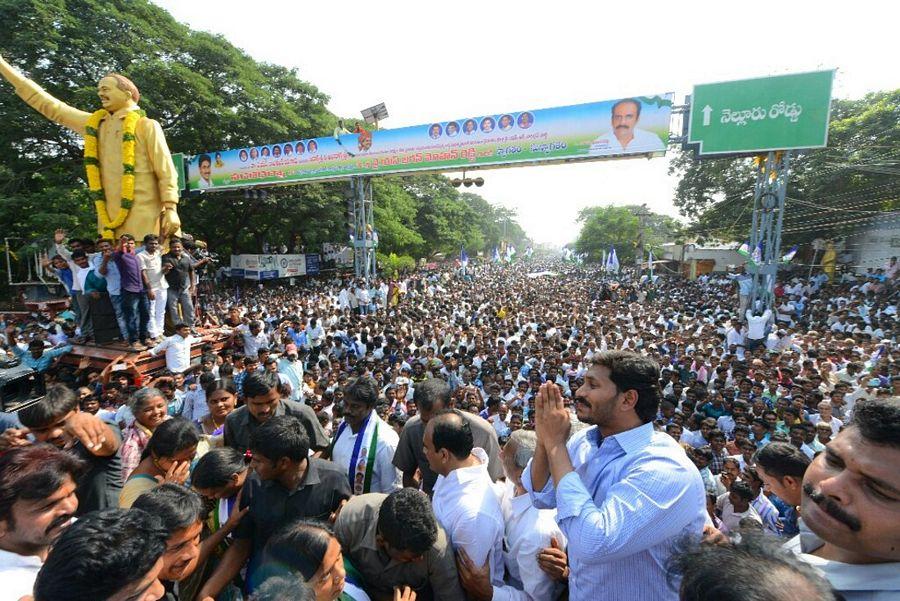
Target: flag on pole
[(744, 249), (603, 261), (790, 255), (463, 257), (612, 264), (495, 255), (510, 252), (756, 257), (529, 251)]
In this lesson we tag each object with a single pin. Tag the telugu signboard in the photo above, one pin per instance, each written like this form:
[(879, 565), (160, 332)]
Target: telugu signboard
[(611, 128), (268, 267), (783, 112)]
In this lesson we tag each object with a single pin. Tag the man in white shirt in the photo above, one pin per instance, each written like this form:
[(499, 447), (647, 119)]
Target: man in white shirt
[(735, 505), (253, 337), (292, 369), (625, 136), (756, 327), (177, 348), (851, 506), (464, 500), (155, 284), (364, 445), (316, 336), (37, 485), (825, 417), (529, 530)]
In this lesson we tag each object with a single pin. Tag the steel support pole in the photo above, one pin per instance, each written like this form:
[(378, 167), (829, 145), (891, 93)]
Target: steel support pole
[(765, 232), (363, 219)]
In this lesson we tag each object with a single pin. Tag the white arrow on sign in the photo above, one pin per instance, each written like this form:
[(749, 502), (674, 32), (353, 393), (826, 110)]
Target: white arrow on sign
[(707, 111)]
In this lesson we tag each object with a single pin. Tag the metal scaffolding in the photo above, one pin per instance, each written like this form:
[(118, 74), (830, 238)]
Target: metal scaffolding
[(362, 220), (765, 231)]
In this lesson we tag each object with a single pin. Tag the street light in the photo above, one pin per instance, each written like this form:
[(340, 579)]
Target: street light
[(467, 181)]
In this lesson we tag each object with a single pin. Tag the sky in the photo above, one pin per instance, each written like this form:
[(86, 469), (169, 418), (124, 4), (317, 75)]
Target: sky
[(432, 62)]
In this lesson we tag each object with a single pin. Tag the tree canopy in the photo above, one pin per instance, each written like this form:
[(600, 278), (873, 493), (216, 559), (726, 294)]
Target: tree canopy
[(207, 94), (603, 227), (831, 191)]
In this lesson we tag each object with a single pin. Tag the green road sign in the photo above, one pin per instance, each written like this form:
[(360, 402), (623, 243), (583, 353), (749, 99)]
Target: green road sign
[(756, 115), (178, 160)]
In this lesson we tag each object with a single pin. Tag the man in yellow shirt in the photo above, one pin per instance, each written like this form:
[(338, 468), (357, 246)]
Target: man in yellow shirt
[(154, 210)]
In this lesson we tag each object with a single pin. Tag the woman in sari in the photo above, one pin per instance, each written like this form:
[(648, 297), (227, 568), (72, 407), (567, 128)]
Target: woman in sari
[(150, 409)]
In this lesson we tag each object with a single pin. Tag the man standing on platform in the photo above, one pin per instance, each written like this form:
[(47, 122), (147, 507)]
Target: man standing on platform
[(179, 272), (79, 263), (155, 285), (623, 492), (134, 302), (177, 348)]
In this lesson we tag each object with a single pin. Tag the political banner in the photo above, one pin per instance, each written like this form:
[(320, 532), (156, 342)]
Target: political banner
[(313, 264), (596, 130), (268, 267)]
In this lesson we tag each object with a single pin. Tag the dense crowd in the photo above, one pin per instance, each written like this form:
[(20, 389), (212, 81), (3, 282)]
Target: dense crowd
[(529, 431)]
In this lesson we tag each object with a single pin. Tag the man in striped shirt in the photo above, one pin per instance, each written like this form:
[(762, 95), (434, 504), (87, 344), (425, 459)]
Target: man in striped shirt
[(623, 492)]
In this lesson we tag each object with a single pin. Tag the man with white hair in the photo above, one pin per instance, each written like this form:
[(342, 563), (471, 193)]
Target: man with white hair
[(825, 417), (528, 532)]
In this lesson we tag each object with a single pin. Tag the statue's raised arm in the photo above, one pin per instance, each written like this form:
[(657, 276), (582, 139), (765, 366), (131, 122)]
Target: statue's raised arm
[(129, 169), (42, 102)]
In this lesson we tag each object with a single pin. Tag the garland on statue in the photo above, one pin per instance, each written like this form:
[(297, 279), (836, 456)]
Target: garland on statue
[(92, 168)]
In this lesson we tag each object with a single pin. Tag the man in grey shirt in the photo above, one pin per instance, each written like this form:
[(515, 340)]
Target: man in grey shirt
[(265, 399), (432, 396), (395, 541)]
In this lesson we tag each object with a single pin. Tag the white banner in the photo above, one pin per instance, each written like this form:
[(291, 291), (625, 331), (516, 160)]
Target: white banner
[(267, 267)]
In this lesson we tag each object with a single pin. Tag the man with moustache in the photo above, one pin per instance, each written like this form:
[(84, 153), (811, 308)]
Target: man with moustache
[(624, 493), (625, 135), (37, 502), (850, 506)]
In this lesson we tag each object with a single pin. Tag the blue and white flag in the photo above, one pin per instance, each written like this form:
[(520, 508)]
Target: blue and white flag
[(756, 257), (495, 256), (612, 262), (463, 257), (790, 254), (744, 249)]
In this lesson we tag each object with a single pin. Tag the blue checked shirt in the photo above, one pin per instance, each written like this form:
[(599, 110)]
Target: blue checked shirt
[(630, 498), (42, 363)]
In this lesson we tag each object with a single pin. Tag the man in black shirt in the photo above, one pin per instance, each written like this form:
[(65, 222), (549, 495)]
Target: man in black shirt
[(286, 485), (178, 269), (264, 400), (57, 419)]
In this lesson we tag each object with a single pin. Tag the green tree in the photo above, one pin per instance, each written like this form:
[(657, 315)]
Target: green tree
[(831, 191), (605, 226), (207, 94)]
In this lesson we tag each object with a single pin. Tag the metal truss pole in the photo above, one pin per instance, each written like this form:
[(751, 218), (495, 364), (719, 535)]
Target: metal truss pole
[(363, 228), (765, 231)]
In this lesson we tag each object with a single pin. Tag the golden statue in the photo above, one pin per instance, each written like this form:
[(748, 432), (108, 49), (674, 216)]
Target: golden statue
[(130, 172)]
